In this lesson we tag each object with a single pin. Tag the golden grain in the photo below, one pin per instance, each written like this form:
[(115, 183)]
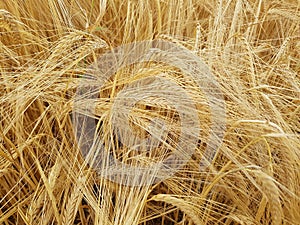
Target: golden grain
[(252, 49)]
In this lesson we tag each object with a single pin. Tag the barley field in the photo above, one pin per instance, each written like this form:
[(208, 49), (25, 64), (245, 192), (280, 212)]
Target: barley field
[(248, 113)]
